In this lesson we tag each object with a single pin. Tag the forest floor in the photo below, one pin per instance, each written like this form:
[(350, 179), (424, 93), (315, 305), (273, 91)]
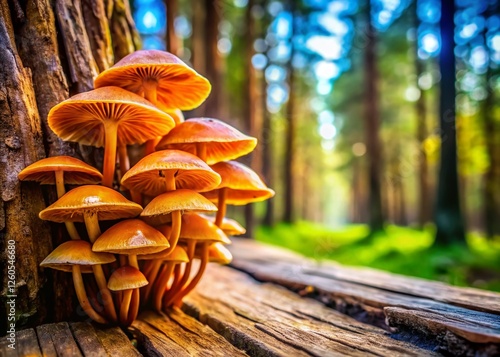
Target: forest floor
[(399, 250)]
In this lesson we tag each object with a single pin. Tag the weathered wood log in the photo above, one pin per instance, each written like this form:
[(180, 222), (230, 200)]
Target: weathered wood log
[(397, 304)]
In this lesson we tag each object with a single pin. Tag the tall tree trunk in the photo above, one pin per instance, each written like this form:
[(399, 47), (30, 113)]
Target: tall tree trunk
[(267, 153), (371, 117), (46, 55), (213, 60), (289, 174), (448, 216), (424, 205), (173, 42)]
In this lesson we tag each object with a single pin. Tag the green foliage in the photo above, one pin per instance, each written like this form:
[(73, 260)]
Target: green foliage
[(399, 250)]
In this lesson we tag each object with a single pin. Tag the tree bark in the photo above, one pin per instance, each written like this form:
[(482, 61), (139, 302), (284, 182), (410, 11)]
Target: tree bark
[(173, 42), (373, 152), (448, 216), (46, 55), (213, 61)]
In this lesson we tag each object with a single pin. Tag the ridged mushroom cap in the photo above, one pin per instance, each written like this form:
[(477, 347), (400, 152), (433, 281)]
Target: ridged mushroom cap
[(178, 255), (76, 172), (147, 176), (158, 210), (178, 85), (75, 252), (83, 117), (105, 202), (243, 184), (126, 278), (195, 227), (222, 141), (217, 253), (132, 236)]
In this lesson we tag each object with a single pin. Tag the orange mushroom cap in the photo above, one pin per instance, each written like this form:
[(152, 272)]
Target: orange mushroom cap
[(76, 172), (105, 202), (195, 227), (83, 117), (126, 278), (177, 85), (75, 252), (178, 255), (131, 237), (242, 183), (222, 141), (217, 253), (147, 176), (229, 226), (158, 210)]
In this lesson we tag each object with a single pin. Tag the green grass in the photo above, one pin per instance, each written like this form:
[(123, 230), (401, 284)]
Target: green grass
[(400, 250)]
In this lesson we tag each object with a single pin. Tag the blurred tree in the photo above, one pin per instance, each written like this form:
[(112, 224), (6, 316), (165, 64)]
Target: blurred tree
[(213, 60), (174, 44), (448, 216), (371, 118)]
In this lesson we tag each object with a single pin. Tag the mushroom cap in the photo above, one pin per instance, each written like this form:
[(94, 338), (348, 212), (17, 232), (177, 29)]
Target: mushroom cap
[(126, 278), (157, 211), (178, 85), (147, 176), (195, 227), (75, 252), (178, 255), (83, 117), (131, 237), (102, 201), (229, 226), (242, 183), (222, 141), (76, 172), (176, 114), (217, 253)]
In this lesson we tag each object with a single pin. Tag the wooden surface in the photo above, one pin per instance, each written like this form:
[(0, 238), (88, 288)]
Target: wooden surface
[(291, 311)]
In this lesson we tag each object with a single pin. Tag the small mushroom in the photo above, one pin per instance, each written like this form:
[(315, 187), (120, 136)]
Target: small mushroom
[(109, 117), (217, 253), (76, 256), (229, 226), (60, 170), (239, 185), (126, 279), (210, 139)]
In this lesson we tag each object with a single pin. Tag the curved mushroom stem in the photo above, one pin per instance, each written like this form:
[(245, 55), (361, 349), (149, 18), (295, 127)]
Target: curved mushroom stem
[(107, 298), (151, 277), (162, 284), (201, 151), (82, 296), (187, 272), (127, 296), (110, 139), (123, 157), (123, 260), (135, 299), (150, 94), (61, 190), (92, 225), (203, 264), (221, 203)]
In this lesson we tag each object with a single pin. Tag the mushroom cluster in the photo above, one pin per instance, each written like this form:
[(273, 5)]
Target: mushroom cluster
[(160, 208)]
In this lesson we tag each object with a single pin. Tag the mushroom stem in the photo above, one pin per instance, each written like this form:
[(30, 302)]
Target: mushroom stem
[(187, 272), (201, 151), (196, 279), (135, 299), (82, 296), (150, 94), (169, 180), (107, 298), (123, 157), (221, 203), (162, 284), (92, 225), (127, 296), (132, 261), (151, 277), (61, 190), (110, 139), (123, 260), (136, 197)]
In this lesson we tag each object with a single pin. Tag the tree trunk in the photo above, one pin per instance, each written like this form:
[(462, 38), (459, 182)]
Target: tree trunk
[(213, 60), (448, 216), (371, 117), (267, 154), (48, 50), (173, 42)]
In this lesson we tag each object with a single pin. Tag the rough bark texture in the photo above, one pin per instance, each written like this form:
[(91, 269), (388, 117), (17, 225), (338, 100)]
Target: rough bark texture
[(46, 55)]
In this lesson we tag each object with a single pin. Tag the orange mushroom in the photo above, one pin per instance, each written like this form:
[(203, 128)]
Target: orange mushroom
[(59, 170), (210, 139), (229, 226), (109, 117), (239, 185), (217, 253)]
